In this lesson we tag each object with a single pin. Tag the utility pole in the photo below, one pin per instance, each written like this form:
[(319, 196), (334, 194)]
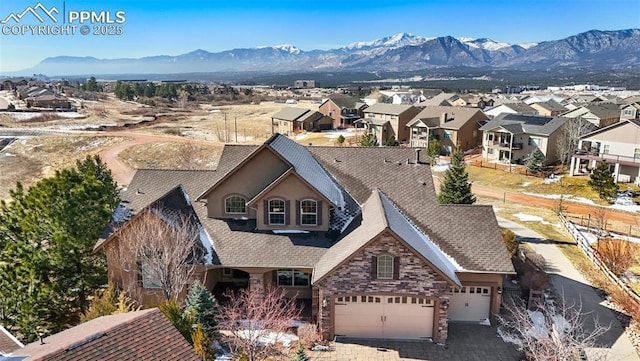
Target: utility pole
[(235, 127), (226, 134)]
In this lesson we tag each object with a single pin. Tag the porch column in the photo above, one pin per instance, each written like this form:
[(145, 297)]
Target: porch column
[(572, 166), (256, 283), (616, 172)]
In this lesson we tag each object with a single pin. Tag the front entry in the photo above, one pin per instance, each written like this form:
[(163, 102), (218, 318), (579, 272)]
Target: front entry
[(379, 316), (470, 303)]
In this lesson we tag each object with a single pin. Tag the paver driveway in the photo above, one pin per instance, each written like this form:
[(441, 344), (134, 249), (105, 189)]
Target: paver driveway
[(466, 342)]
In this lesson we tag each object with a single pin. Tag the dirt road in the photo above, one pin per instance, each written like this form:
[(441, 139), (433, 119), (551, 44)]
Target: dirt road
[(123, 172)]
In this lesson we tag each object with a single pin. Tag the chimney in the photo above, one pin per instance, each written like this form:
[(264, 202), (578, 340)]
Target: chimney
[(443, 118), (417, 156)]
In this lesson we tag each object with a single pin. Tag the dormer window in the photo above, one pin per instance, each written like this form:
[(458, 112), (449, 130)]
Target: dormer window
[(276, 212), (308, 212), (235, 205)]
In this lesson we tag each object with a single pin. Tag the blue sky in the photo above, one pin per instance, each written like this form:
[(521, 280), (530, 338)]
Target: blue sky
[(162, 27)]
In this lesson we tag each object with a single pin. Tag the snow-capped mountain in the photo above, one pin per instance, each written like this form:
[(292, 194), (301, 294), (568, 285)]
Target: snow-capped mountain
[(402, 51)]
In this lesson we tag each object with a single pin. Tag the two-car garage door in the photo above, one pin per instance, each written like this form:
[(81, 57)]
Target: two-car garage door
[(378, 316)]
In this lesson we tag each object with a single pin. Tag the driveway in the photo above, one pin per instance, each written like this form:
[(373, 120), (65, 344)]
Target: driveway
[(467, 342), (615, 343)]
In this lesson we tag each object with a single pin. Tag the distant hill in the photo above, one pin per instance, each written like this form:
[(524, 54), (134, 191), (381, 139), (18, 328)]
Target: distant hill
[(595, 49)]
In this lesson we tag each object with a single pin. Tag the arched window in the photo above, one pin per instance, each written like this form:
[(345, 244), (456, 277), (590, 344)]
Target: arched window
[(235, 204), (276, 211), (385, 267), (308, 212)]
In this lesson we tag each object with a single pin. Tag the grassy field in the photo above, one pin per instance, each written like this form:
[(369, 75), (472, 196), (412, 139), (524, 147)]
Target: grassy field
[(172, 156)]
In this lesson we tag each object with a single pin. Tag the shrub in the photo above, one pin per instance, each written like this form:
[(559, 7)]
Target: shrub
[(509, 239), (617, 254), (309, 335)]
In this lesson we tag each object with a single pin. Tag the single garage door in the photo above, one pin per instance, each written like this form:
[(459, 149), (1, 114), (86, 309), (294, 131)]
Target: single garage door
[(470, 303), (377, 316)]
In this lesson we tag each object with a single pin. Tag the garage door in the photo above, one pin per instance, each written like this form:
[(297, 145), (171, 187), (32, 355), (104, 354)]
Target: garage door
[(377, 316), (470, 303)]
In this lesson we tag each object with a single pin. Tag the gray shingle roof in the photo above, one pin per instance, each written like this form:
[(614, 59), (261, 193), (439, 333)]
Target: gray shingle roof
[(8, 342), (393, 109), (345, 102), (291, 114), (530, 124), (456, 116), (552, 106)]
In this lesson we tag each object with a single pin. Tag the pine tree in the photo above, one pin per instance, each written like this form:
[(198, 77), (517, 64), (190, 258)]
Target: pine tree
[(456, 188), (201, 304), (340, 139), (391, 141), (602, 182), (47, 265), (535, 161), (300, 354), (433, 150), (368, 140)]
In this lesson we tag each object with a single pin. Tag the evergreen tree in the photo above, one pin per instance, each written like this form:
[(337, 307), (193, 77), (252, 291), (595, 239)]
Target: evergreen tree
[(535, 161), (602, 182), (456, 188), (300, 354), (391, 141), (201, 304), (47, 265), (433, 150), (368, 140), (340, 139)]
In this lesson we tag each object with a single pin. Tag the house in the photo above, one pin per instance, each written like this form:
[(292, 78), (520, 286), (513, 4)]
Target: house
[(512, 137), (549, 108), (51, 101), (630, 111), (541, 98), (288, 121), (473, 101), (304, 84), (139, 335), (440, 99), (511, 108), (355, 233), (344, 110), (617, 144), (451, 126), (387, 120), (8, 343), (599, 114)]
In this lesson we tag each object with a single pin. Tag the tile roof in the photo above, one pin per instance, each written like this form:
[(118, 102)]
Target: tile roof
[(456, 116), (140, 335), (530, 124), (383, 108), (8, 342)]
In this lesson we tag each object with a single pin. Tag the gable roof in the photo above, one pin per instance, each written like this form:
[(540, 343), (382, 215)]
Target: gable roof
[(343, 102), (291, 114), (378, 214), (383, 108), (456, 116), (551, 106), (140, 335), (635, 122), (8, 342), (530, 124), (604, 110)]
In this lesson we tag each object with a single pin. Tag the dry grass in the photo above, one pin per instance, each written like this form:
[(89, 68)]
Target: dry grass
[(172, 156)]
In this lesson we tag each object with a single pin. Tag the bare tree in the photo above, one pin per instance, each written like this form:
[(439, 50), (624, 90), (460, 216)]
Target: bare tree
[(251, 317), (569, 136), (550, 333), (163, 248)]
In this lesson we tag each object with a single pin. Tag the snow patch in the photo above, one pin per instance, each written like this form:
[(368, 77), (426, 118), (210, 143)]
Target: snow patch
[(528, 218), (507, 338), (286, 339), (121, 214), (441, 167), (539, 329)]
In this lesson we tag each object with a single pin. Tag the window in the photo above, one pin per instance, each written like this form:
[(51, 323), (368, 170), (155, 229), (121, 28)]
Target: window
[(605, 149), (308, 212), (490, 137), (535, 142), (475, 133), (385, 267), (636, 153), (149, 277), (293, 278), (227, 272), (276, 211), (489, 150), (448, 134), (628, 112), (235, 204)]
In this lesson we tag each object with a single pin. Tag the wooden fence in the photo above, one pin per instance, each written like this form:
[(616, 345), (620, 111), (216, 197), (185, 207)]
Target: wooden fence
[(511, 168), (595, 258)]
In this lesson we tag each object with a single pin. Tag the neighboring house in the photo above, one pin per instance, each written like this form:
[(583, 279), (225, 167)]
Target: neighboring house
[(617, 144), (355, 233), (630, 111), (440, 99), (49, 101), (549, 108), (544, 98), (304, 84), (511, 108), (386, 120), (8, 343), (138, 335), (344, 110), (512, 137), (288, 121), (451, 126), (598, 114), (473, 101)]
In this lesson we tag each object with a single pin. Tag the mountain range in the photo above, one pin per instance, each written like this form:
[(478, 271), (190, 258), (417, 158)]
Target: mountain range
[(400, 52)]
